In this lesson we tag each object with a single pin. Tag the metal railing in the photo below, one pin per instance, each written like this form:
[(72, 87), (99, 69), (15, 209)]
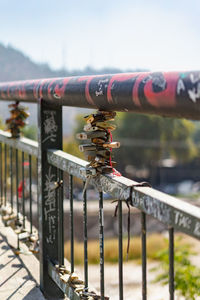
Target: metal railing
[(174, 94)]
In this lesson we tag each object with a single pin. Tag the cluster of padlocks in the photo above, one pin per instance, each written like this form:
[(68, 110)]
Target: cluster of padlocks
[(98, 152), (15, 221), (17, 120), (70, 278), (74, 281)]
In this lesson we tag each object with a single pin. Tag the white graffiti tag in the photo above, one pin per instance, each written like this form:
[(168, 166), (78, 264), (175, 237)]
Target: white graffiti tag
[(180, 86), (50, 206), (194, 94), (101, 85), (50, 127), (50, 194)]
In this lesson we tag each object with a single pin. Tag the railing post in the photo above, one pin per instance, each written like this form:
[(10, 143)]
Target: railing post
[(49, 137)]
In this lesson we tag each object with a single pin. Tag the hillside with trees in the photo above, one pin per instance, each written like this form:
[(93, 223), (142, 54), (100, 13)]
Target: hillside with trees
[(15, 65), (145, 140)]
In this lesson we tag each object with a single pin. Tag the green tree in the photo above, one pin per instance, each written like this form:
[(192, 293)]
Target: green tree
[(147, 139), (30, 132), (187, 275), (70, 146), (1, 124)]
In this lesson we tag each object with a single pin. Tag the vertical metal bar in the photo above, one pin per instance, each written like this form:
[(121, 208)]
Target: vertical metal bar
[(5, 174), (101, 244), (144, 256), (49, 137), (85, 237), (17, 181), (171, 263), (17, 195), (11, 178), (1, 174), (23, 186), (37, 195), (61, 218), (71, 221), (30, 193), (120, 241)]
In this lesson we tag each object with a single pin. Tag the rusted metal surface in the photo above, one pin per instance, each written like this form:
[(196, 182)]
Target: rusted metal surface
[(174, 94), (167, 209), (23, 144)]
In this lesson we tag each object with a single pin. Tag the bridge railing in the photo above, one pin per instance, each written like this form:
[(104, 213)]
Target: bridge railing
[(172, 94)]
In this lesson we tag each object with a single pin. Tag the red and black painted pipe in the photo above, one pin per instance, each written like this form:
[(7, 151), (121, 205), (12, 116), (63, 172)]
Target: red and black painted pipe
[(174, 94)]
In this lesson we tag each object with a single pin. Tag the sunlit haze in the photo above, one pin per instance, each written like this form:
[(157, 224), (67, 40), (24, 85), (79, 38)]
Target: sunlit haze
[(155, 35)]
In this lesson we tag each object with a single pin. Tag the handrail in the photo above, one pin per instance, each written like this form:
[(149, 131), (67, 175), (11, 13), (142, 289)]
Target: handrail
[(167, 209), (24, 144), (174, 213), (173, 94)]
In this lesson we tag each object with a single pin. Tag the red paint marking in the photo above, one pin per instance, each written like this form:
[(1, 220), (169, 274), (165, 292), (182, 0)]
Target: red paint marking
[(17, 89), (41, 87), (88, 80), (8, 92), (35, 82), (10, 85), (87, 92), (118, 78), (23, 92), (135, 96), (165, 98), (3, 95), (49, 89), (60, 91)]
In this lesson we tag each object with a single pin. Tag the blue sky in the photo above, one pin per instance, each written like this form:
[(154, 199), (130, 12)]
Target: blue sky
[(157, 35)]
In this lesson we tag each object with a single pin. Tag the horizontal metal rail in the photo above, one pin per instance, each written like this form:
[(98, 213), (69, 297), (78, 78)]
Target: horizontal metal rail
[(174, 94), (176, 214), (17, 205), (23, 144), (167, 209)]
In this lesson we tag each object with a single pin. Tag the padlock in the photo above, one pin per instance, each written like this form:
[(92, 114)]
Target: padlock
[(89, 128), (98, 152), (105, 125), (111, 145), (85, 172), (91, 134)]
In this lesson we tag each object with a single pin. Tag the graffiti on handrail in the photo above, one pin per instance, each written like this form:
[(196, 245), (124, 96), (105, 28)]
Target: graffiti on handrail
[(151, 206), (197, 229), (182, 220), (50, 206)]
